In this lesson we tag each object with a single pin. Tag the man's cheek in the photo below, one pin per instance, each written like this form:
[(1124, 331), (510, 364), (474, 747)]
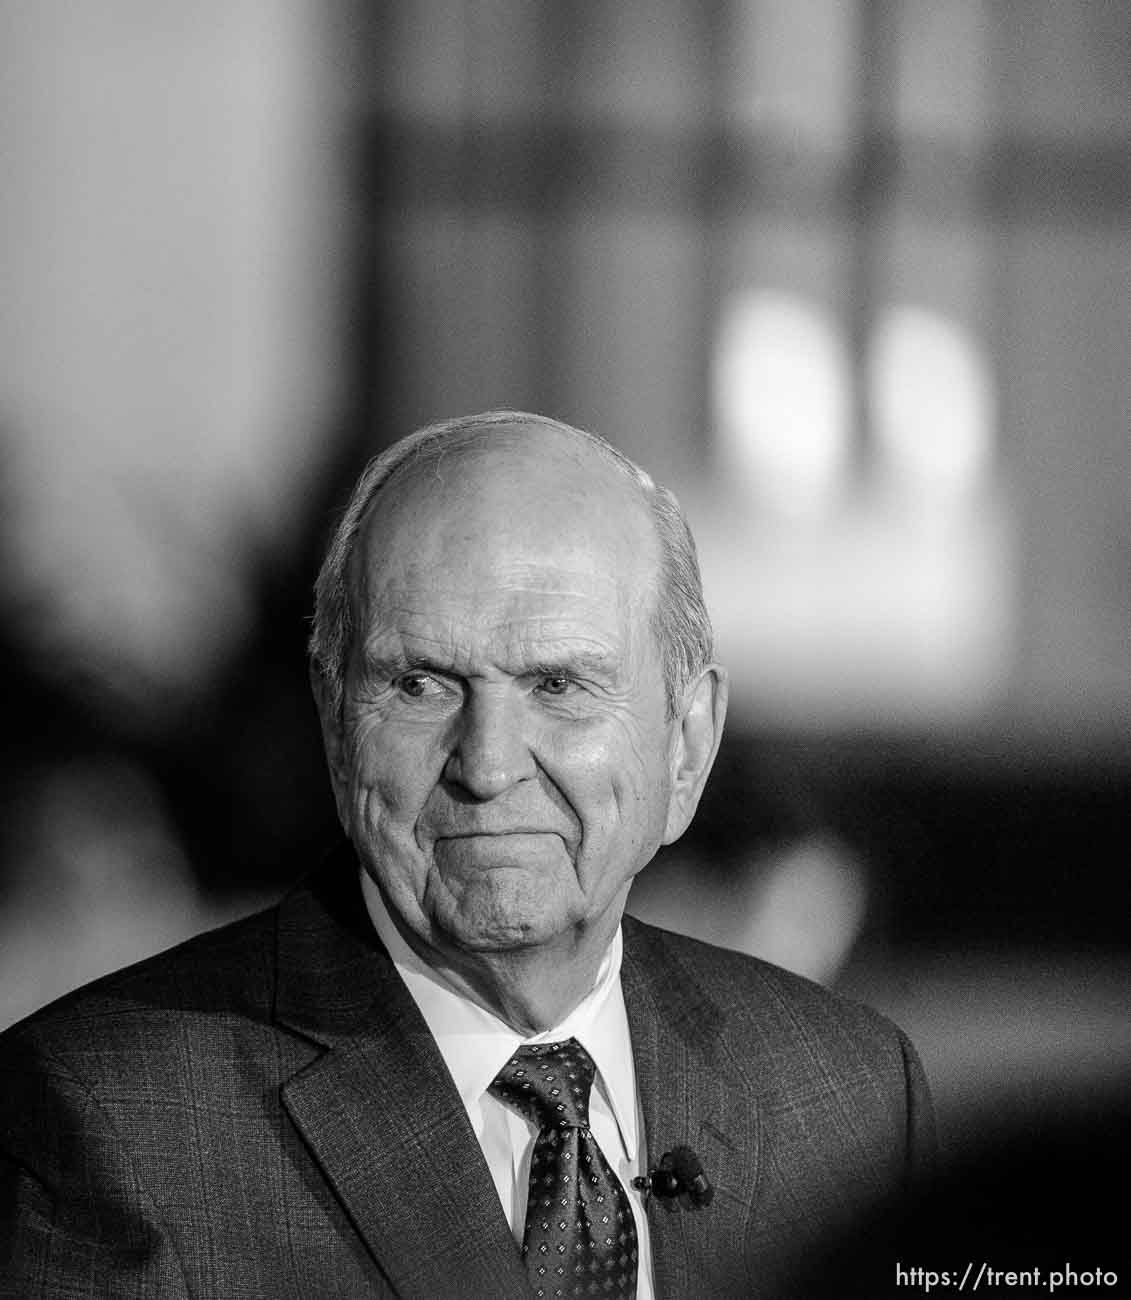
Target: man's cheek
[(598, 804), (386, 808), (389, 769), (584, 756)]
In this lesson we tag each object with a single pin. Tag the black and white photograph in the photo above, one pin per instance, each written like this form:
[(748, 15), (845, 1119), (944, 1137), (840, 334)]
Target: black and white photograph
[(565, 607)]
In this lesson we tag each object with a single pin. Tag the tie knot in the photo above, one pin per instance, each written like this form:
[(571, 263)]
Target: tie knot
[(549, 1083)]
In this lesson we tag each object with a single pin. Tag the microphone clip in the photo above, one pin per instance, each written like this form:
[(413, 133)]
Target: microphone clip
[(677, 1180)]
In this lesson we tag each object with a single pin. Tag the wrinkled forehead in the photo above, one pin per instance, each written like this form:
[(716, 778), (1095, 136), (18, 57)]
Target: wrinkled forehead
[(510, 518), (540, 616)]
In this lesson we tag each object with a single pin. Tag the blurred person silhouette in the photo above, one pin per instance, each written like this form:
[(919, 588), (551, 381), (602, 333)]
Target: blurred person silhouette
[(118, 828), (93, 871), (1027, 1204), (94, 877), (447, 1063)]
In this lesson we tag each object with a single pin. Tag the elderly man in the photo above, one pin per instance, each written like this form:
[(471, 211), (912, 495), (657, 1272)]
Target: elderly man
[(447, 1064)]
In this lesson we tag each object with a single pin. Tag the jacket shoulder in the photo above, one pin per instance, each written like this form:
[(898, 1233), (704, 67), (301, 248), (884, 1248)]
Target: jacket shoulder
[(228, 969), (802, 1049), (749, 991)]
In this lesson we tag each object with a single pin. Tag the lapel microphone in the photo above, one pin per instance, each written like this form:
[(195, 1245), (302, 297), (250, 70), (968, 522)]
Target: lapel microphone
[(679, 1174)]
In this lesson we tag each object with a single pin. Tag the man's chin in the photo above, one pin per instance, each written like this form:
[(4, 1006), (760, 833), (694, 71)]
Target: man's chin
[(505, 916)]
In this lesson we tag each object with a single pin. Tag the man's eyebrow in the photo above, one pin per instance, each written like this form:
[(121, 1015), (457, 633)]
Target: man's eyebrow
[(550, 661), (394, 660), (572, 661)]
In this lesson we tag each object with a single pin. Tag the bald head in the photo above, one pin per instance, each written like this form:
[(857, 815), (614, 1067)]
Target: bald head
[(458, 484)]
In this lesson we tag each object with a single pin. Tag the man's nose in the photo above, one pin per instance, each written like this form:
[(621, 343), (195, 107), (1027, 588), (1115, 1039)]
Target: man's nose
[(490, 754)]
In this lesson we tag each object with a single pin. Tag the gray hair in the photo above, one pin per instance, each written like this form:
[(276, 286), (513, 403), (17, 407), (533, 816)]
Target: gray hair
[(680, 621)]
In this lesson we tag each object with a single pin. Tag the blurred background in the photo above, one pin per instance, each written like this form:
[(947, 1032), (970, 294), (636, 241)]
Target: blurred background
[(851, 277)]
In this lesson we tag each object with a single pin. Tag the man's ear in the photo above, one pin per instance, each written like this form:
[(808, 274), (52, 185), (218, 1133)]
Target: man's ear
[(700, 728), (332, 742)]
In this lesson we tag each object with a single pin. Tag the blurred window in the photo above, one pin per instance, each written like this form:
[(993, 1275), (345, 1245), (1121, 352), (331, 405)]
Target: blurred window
[(860, 567)]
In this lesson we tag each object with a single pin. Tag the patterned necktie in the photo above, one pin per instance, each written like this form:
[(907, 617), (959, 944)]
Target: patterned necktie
[(580, 1238)]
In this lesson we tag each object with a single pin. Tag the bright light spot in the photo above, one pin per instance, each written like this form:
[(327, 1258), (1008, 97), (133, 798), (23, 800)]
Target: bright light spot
[(932, 403), (781, 397)]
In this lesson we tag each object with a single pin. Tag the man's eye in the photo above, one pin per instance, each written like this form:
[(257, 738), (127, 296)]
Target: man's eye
[(417, 685), (555, 684)]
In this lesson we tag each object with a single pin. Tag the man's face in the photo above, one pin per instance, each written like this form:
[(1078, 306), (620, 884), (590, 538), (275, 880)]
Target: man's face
[(505, 759)]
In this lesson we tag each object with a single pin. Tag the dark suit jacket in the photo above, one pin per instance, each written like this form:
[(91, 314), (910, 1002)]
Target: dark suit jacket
[(261, 1112)]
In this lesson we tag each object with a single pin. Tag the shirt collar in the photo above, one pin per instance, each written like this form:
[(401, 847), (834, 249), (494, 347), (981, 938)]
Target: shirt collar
[(476, 1044)]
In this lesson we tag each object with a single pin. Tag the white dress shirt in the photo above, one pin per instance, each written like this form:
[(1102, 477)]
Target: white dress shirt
[(476, 1045)]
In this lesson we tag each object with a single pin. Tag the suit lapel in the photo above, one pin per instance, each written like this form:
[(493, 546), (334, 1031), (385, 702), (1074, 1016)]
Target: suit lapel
[(382, 1119), (692, 1093), (378, 1111)]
